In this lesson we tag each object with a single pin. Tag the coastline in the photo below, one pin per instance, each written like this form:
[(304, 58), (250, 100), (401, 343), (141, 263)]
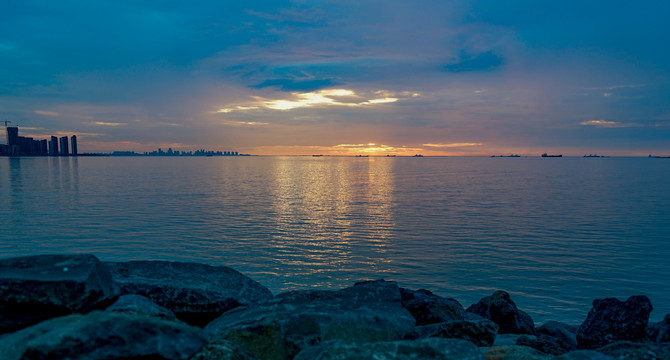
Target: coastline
[(125, 309)]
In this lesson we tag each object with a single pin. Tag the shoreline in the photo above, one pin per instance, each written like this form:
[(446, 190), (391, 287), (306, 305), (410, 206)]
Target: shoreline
[(216, 310)]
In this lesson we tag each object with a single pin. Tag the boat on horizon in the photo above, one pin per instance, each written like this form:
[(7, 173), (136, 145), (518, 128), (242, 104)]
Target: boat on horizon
[(510, 155), (547, 155), (659, 157), (418, 155)]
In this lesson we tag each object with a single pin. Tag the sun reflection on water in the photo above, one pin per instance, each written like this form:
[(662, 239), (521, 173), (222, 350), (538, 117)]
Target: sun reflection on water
[(324, 211)]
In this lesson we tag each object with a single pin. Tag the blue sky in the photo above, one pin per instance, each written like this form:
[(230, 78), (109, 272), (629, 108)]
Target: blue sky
[(341, 77)]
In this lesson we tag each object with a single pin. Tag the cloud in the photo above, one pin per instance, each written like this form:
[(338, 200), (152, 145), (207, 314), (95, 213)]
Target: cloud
[(47, 113), (102, 123), (321, 98), (603, 123), (453, 145)]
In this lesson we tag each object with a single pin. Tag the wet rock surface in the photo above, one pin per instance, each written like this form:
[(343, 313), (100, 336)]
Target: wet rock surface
[(500, 309), (279, 329), (196, 293), (425, 349), (480, 332), (428, 308), (36, 288), (102, 335), (612, 320), (140, 305)]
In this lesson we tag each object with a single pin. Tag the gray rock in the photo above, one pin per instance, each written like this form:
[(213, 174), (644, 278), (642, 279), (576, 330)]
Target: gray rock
[(293, 321), (507, 339), (36, 288), (565, 335), (627, 350), (612, 320), (584, 355), (102, 335), (543, 343), (428, 308), (659, 332), (480, 333), (222, 350), (425, 349), (140, 305), (514, 352), (500, 309), (196, 293)]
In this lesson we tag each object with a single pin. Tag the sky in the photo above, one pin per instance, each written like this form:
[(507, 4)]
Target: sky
[(471, 77)]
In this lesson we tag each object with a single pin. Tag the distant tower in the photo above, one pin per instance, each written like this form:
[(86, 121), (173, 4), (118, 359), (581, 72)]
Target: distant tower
[(73, 141), (63, 146), (54, 146), (13, 141)]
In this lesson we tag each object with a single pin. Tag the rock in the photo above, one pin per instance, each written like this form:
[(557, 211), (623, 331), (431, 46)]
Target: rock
[(222, 350), (627, 350), (425, 349), (659, 332), (140, 305), (428, 308), (612, 320), (280, 328), (543, 343), (500, 309), (564, 334), (102, 335), (507, 339), (36, 288), (480, 333), (514, 352), (583, 355), (196, 293)]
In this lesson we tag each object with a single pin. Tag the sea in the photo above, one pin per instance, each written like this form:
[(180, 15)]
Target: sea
[(556, 233)]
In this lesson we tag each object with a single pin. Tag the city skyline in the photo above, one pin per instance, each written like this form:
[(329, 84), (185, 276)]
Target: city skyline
[(341, 78)]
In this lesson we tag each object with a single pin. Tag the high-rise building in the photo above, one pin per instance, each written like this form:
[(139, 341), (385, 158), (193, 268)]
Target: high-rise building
[(73, 142), (43, 147), (13, 141), (54, 146), (63, 146)]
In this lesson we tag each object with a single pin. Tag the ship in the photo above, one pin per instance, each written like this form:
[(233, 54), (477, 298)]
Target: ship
[(547, 155)]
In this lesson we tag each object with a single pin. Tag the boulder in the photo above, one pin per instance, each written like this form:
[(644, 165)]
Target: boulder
[(480, 333), (140, 305), (280, 328), (36, 288), (627, 350), (543, 343), (659, 332), (583, 355), (514, 352), (425, 349), (196, 293), (102, 335), (500, 309), (428, 308), (564, 334), (222, 350), (612, 320)]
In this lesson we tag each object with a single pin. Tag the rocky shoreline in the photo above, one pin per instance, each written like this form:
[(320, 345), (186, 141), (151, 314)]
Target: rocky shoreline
[(77, 307)]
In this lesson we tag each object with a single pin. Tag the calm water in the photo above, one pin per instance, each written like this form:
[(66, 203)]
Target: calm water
[(555, 233)]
